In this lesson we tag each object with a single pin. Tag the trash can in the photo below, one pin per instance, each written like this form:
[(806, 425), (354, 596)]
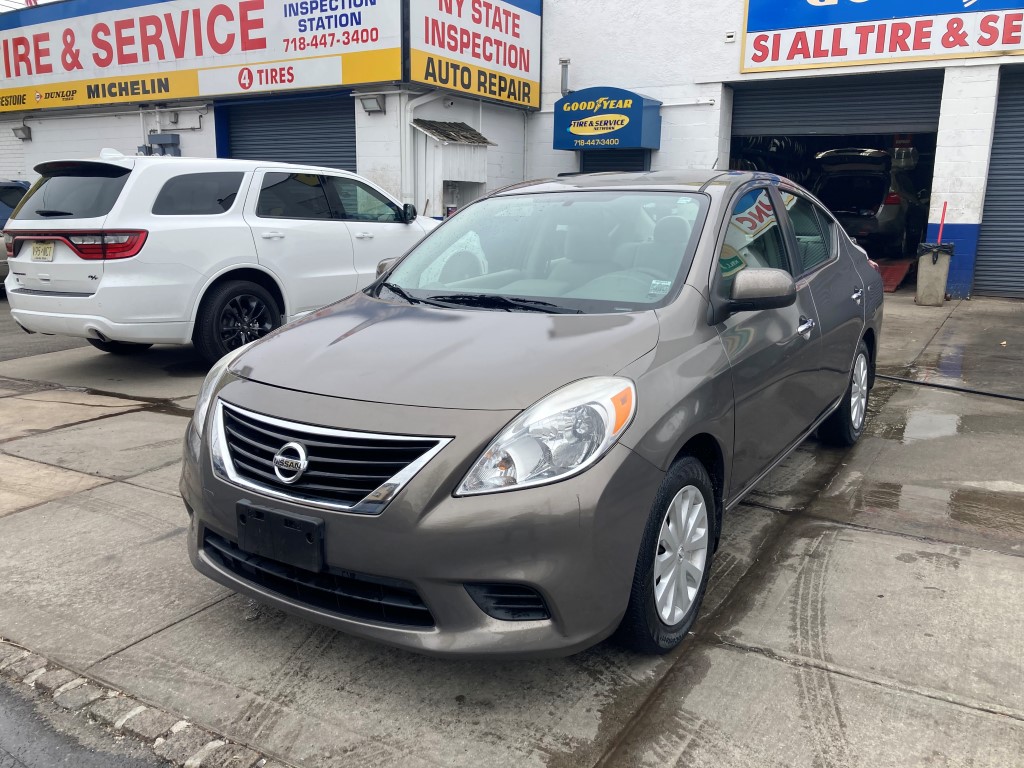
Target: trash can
[(932, 273)]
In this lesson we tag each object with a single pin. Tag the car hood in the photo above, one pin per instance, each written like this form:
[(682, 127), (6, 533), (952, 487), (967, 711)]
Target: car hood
[(367, 349)]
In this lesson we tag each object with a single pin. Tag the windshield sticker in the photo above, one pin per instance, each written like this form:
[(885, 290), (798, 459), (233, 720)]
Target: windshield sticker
[(659, 287)]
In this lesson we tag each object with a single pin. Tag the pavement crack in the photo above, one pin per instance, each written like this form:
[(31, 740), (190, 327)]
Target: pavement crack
[(804, 662)]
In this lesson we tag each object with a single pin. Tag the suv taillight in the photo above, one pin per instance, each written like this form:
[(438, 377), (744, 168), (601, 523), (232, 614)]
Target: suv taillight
[(892, 198), (91, 246), (9, 244)]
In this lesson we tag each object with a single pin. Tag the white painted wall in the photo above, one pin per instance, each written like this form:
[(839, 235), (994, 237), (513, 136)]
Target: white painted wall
[(966, 128), (80, 135)]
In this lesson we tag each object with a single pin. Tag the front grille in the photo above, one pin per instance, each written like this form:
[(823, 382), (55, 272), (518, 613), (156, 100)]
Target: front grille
[(509, 602), (343, 593), (344, 467)]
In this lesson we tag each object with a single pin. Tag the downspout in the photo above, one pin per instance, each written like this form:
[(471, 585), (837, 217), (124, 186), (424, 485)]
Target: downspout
[(407, 149)]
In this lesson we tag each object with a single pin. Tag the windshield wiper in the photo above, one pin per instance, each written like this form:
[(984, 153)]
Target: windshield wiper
[(507, 303), (48, 212), (401, 293)]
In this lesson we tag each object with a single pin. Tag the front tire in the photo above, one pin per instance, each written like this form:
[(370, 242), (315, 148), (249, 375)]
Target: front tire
[(674, 563), (119, 347), (232, 315), (846, 424)]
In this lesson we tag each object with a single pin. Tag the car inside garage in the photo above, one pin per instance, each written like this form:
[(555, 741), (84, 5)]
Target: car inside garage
[(864, 144)]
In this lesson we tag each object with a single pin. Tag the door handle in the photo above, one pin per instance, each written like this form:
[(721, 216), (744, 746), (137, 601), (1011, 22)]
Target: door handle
[(858, 295), (272, 235), (364, 236), (807, 325)]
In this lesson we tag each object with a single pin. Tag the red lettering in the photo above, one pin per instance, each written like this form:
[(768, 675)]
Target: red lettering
[(760, 49), (104, 55), (880, 39), (225, 45), (900, 37), (151, 36), (249, 26), (123, 38), (819, 49), (989, 30), (864, 34), (22, 56), (42, 52), (198, 29), (923, 35), (838, 49), (799, 47), (1011, 28)]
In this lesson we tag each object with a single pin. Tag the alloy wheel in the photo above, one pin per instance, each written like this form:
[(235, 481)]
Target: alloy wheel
[(245, 318), (681, 556), (859, 392)]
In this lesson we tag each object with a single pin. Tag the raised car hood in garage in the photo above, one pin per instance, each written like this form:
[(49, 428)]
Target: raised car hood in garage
[(367, 349)]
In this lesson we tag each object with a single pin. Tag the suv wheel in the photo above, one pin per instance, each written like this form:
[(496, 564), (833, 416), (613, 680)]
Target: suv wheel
[(674, 563), (119, 347), (233, 314)]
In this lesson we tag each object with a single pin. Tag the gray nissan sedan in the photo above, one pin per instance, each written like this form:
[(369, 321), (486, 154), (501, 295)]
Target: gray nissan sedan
[(524, 436)]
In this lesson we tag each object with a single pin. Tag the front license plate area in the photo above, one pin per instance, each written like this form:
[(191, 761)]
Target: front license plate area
[(288, 538), (42, 250)]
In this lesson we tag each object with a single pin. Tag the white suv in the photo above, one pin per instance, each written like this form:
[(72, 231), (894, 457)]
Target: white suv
[(128, 252)]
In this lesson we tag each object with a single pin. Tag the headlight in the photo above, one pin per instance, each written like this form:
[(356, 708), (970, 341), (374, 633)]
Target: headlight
[(562, 435), (210, 386)]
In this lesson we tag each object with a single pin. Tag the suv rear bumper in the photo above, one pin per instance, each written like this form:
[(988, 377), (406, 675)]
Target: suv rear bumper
[(75, 314), (92, 327)]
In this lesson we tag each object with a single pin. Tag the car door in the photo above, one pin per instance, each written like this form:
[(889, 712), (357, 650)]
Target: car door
[(836, 288), (299, 238), (774, 354), (376, 223)]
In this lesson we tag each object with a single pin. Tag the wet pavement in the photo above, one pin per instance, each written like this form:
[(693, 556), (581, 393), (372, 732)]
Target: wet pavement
[(863, 611)]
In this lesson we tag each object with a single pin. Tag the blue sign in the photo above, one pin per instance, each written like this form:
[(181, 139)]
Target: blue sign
[(764, 15), (607, 118)]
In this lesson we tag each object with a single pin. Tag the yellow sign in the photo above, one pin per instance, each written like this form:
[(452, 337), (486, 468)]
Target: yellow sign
[(595, 126)]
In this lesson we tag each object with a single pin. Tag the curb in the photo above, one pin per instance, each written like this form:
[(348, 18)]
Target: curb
[(171, 738)]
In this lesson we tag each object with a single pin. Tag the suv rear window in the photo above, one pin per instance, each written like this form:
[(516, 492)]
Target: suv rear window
[(74, 191), (198, 194)]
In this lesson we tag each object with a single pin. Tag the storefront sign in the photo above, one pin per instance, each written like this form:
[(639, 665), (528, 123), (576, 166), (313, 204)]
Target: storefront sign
[(486, 48), (94, 52), (805, 34), (607, 118)]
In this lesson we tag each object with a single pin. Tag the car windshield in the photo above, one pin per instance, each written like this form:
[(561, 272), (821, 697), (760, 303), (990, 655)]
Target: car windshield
[(582, 252)]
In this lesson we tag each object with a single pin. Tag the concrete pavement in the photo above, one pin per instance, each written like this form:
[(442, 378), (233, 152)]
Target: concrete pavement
[(862, 609)]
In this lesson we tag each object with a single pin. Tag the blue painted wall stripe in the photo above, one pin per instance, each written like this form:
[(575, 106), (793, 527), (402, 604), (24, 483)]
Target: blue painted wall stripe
[(965, 253)]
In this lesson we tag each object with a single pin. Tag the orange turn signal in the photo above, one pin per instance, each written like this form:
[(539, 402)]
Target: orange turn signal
[(623, 403)]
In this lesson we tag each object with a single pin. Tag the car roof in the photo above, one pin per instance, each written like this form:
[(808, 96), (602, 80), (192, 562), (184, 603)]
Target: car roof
[(684, 180), (191, 163)]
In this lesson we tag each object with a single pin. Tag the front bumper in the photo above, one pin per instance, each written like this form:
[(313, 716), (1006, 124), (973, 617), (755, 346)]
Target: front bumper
[(574, 542)]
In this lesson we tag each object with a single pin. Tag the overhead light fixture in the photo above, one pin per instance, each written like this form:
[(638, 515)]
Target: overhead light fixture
[(373, 104), (23, 132)]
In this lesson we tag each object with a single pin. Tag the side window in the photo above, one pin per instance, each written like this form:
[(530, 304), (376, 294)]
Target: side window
[(813, 240), (753, 239), (358, 202), (198, 194), (11, 196), (292, 196)]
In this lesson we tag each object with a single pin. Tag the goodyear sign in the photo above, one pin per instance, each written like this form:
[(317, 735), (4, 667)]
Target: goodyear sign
[(94, 52), (607, 118), (805, 34)]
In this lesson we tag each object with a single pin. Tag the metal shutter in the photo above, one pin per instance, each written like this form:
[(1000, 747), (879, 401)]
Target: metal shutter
[(598, 160), (904, 102), (1000, 267), (308, 131)]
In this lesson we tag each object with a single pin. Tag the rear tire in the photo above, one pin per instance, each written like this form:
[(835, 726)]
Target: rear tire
[(232, 315), (119, 347), (846, 424), (674, 562)]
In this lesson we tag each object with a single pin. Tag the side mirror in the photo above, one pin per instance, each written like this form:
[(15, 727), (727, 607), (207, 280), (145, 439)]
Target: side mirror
[(409, 212), (385, 265), (756, 289)]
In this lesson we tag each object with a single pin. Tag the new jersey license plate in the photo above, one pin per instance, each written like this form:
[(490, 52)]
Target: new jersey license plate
[(42, 251)]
